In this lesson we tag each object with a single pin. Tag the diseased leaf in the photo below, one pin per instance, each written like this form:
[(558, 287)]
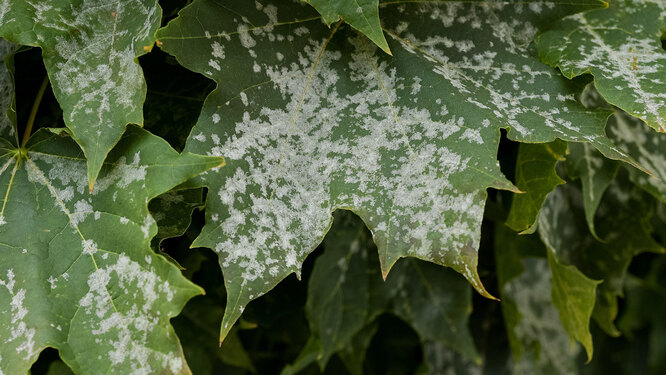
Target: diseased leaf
[(595, 173), (539, 343), (621, 48), (173, 212), (77, 273), (321, 120), (7, 112), (536, 176), (89, 49), (647, 147), (439, 359), (197, 330), (573, 293), (624, 223), (346, 294), (363, 15)]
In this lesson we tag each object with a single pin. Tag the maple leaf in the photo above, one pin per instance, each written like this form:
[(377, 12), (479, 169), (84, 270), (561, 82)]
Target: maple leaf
[(89, 49), (313, 119), (76, 269)]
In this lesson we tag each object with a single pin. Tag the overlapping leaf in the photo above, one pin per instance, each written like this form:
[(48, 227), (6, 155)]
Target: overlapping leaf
[(648, 148), (621, 48), (173, 211), (623, 223), (363, 15), (646, 306), (346, 294), (76, 269), (595, 172), (313, 119), (538, 340), (7, 120), (536, 177), (89, 49)]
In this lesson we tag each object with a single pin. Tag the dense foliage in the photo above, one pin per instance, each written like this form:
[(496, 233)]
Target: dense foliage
[(364, 187)]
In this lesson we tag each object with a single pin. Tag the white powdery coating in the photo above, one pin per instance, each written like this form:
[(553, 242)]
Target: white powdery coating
[(127, 328), (135, 334), (122, 174), (647, 147), (89, 247), (627, 61), (90, 49), (6, 85), (21, 337)]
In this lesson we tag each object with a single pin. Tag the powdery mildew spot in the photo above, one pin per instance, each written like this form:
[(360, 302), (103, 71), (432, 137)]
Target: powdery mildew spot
[(20, 335)]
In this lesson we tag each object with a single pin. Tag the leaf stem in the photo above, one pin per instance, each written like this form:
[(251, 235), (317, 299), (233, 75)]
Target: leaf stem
[(33, 111)]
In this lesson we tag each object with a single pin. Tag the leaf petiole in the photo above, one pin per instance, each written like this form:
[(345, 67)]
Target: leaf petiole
[(33, 111)]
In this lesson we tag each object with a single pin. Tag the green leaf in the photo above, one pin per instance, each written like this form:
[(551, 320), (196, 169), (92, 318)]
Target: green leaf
[(624, 223), (647, 147), (346, 294), (439, 359), (363, 15), (173, 211), (538, 340), (436, 302), (573, 293), (321, 119), (621, 48), (77, 272), (197, 330), (8, 121), (338, 304), (59, 368), (536, 176), (645, 308), (595, 172), (305, 358), (353, 355), (89, 49)]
